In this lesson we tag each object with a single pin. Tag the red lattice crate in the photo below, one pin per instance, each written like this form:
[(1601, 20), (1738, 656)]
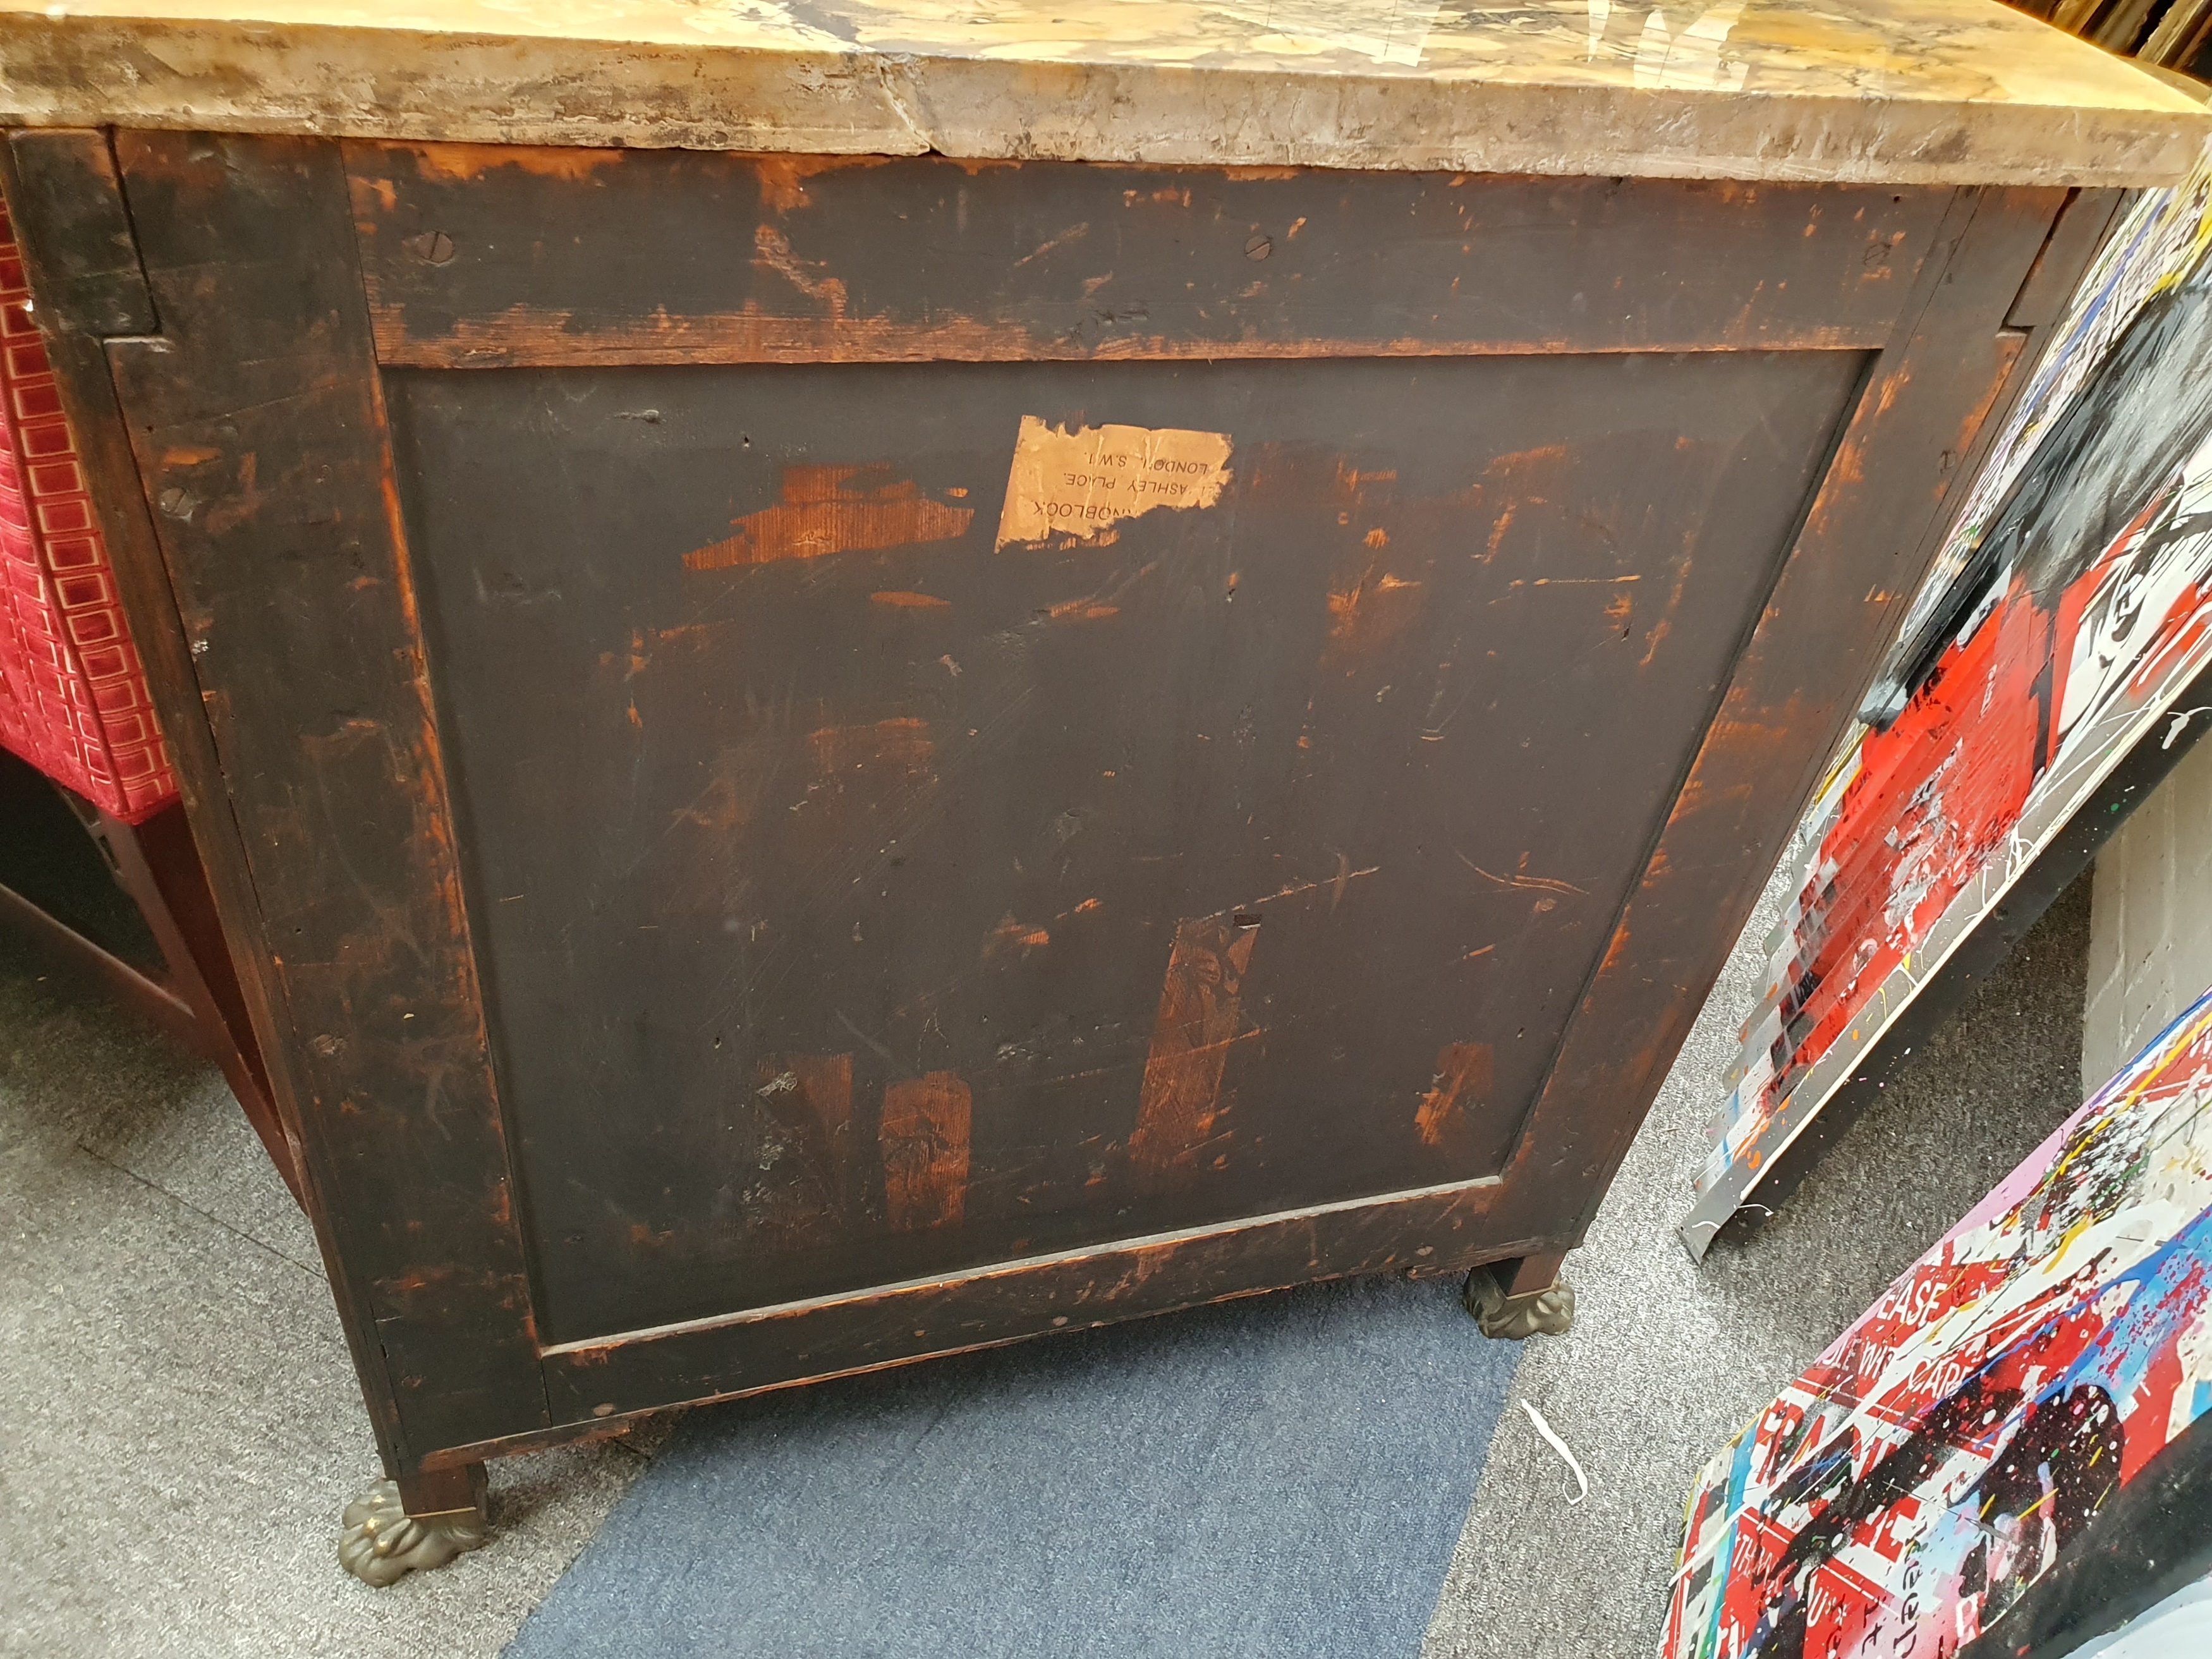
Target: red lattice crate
[(73, 697)]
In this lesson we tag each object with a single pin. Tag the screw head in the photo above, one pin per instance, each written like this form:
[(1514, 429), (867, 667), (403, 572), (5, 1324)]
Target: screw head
[(1259, 247)]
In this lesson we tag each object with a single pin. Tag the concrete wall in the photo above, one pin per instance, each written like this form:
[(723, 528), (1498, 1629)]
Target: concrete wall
[(2150, 927)]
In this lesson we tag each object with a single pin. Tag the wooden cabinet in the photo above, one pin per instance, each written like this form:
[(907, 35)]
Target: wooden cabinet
[(816, 760)]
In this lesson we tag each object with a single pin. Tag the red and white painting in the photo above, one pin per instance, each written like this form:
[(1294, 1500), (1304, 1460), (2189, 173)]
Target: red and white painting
[(1946, 1450), (2072, 605)]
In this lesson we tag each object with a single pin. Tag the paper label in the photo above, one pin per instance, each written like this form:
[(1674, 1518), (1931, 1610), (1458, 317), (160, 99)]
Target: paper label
[(1081, 483)]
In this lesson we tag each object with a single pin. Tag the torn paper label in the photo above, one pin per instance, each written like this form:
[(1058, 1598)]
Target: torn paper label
[(1079, 483)]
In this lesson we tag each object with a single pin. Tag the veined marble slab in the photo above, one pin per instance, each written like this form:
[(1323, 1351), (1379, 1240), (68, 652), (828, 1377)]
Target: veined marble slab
[(1893, 91)]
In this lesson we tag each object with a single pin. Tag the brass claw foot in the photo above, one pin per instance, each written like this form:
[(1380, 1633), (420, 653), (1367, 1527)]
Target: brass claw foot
[(382, 1543), (1549, 1310)]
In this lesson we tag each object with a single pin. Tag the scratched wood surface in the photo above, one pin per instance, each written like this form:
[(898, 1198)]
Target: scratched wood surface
[(673, 256), (1869, 533), (775, 859), (1940, 92), (884, 902), (259, 429)]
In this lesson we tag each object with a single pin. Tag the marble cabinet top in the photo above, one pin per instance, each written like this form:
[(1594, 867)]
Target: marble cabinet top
[(1889, 91)]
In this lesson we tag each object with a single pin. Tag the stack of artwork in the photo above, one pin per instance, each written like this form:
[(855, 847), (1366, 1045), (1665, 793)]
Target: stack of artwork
[(2069, 612), (2017, 1435)]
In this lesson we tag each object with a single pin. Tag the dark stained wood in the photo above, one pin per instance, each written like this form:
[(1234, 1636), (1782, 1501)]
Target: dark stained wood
[(259, 431), (1531, 1273), (159, 867), (1244, 864), (1869, 536), (64, 181), (505, 254), (445, 1488), (1451, 1228), (78, 354), (88, 281), (2073, 242), (64, 951), (892, 937)]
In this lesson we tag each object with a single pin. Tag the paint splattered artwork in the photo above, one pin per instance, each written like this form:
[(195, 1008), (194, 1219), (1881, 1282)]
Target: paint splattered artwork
[(2070, 606), (1944, 1452)]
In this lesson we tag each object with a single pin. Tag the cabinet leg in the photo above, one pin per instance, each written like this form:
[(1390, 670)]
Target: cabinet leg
[(157, 864), (1516, 1300), (420, 1521)]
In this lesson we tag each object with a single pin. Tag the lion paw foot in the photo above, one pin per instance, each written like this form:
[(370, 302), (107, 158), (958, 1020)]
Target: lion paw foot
[(382, 1543)]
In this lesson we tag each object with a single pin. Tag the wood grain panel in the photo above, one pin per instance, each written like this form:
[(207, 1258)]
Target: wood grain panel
[(480, 257), (259, 434), (1443, 1229), (1868, 536), (1185, 852)]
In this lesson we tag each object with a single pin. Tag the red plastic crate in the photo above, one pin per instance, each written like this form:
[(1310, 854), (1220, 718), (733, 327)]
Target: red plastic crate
[(73, 697)]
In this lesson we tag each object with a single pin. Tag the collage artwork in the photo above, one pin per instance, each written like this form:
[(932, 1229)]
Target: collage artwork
[(1905, 1490), (2070, 606)]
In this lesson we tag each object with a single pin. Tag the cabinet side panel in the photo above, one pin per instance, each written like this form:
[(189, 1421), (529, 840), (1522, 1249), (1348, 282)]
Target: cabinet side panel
[(1869, 537), (259, 427)]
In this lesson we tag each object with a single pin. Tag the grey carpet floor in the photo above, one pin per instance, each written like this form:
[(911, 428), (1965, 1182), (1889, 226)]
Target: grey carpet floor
[(179, 1425), (1668, 1360)]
